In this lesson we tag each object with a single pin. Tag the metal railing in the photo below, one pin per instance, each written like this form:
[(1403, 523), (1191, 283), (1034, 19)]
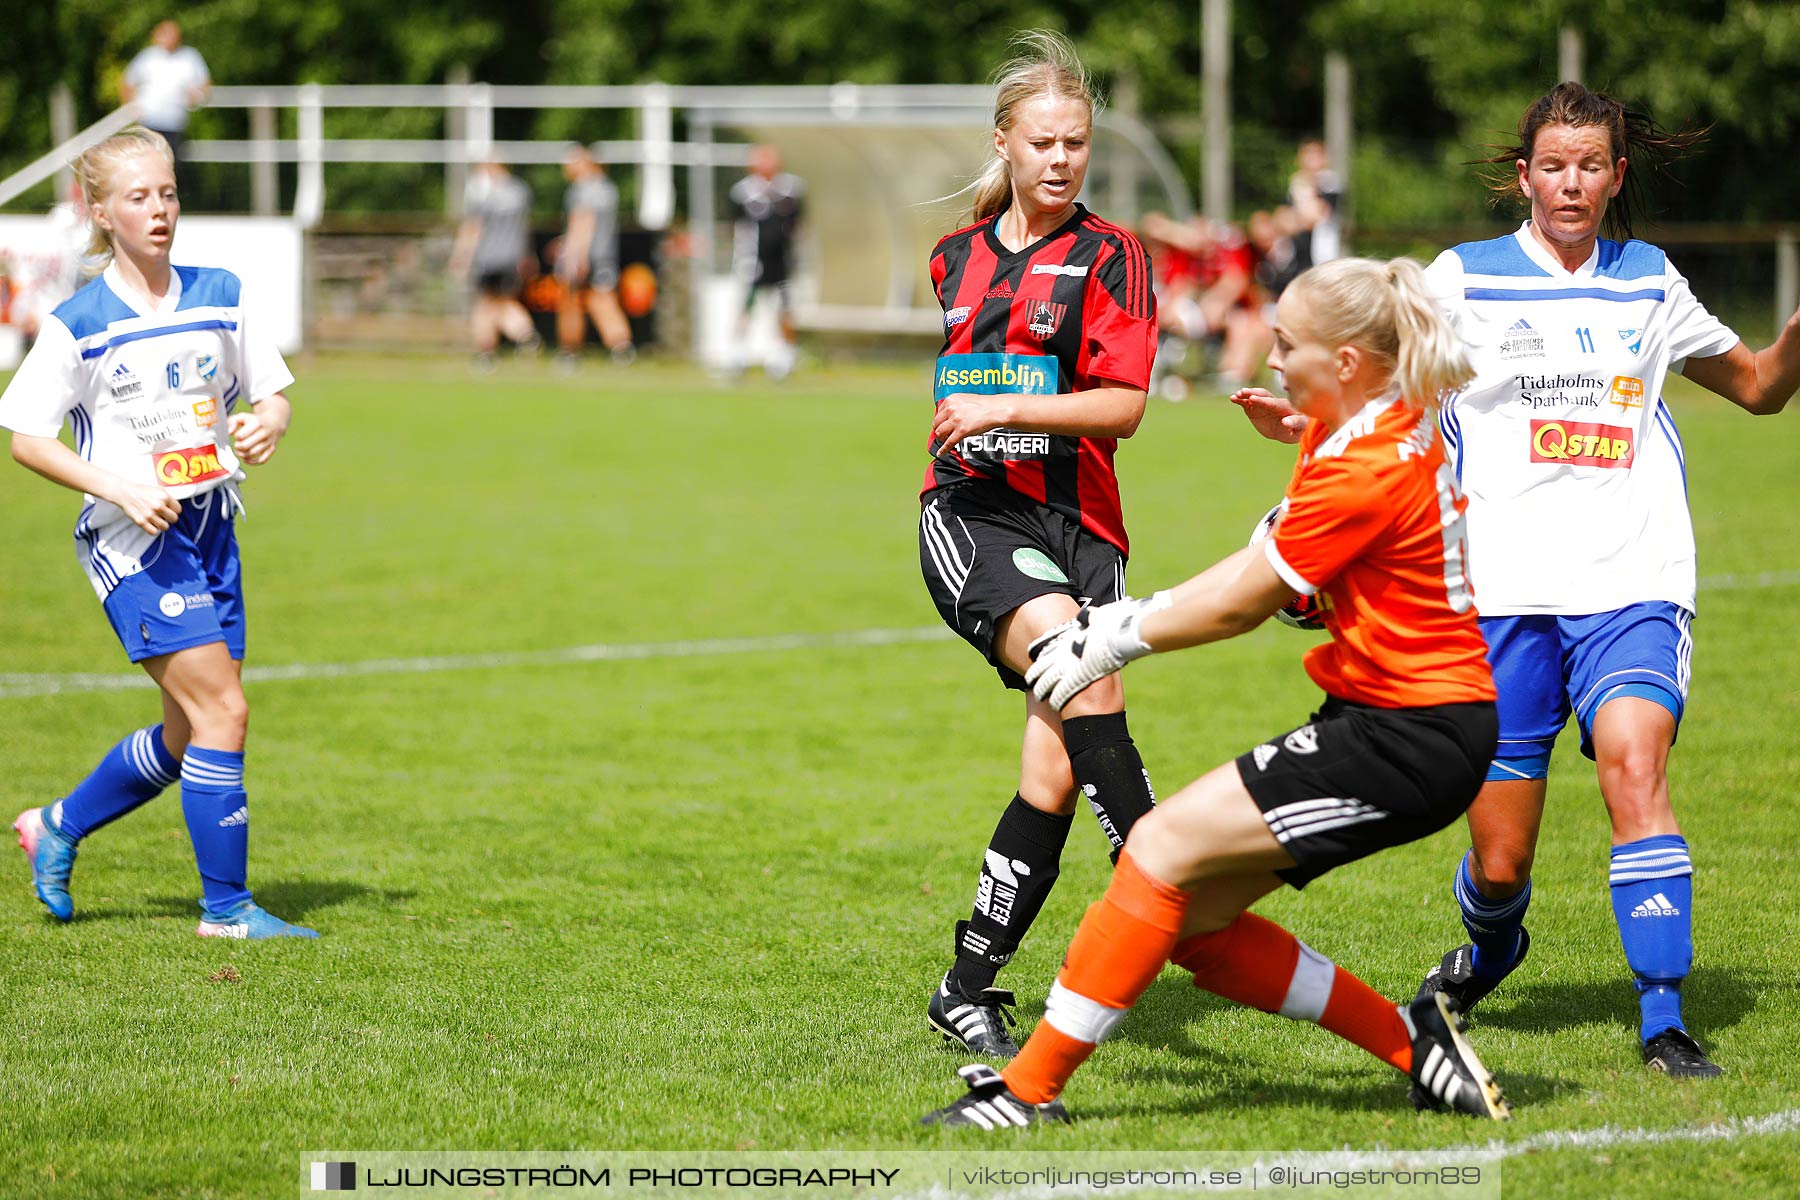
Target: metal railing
[(468, 110)]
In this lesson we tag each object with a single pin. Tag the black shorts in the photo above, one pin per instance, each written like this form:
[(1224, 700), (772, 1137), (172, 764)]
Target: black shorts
[(784, 296), (986, 549), (503, 283), (1357, 779)]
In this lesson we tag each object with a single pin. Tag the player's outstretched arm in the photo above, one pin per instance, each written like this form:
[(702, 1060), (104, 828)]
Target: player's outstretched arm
[(1271, 416), (1233, 596), (150, 507), (1759, 381)]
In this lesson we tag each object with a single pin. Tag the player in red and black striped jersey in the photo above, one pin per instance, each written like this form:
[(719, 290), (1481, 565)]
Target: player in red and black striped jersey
[(1050, 331), (1062, 316)]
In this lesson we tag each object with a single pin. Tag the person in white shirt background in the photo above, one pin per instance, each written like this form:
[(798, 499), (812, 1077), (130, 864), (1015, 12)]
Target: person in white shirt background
[(1572, 335), (147, 364), (167, 80)]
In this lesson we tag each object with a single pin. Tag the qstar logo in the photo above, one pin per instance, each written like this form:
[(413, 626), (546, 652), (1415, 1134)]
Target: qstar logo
[(177, 467), (1580, 444)]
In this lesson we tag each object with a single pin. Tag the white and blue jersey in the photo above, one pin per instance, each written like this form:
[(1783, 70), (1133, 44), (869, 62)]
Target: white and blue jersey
[(1565, 447), (147, 390), (1580, 543)]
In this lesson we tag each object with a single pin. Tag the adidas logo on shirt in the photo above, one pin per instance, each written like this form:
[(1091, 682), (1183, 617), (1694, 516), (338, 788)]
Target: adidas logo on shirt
[(123, 383), (1656, 906), (1521, 340)]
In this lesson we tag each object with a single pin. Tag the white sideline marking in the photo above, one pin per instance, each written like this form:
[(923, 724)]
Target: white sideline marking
[(18, 685), (13, 686), (1786, 1121), (1395, 1158), (1738, 583)]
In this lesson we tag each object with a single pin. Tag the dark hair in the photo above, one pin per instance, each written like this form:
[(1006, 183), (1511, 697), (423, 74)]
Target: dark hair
[(1634, 136)]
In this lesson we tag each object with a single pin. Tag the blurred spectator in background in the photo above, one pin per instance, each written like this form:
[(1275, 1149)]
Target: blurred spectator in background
[(1207, 297), (494, 247), (768, 204), (1282, 247), (66, 263), (1317, 194), (168, 80), (587, 262)]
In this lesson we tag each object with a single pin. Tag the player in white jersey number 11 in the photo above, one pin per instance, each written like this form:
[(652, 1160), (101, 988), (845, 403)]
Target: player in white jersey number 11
[(1572, 335)]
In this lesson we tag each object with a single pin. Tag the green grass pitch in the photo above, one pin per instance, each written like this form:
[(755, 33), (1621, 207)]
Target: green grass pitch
[(699, 901)]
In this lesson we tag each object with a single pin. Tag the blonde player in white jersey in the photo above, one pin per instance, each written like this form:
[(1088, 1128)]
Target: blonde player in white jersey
[(169, 388), (1579, 536)]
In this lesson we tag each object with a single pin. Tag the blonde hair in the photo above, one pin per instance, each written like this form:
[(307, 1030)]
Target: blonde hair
[(1385, 309), (1046, 65), (95, 167)]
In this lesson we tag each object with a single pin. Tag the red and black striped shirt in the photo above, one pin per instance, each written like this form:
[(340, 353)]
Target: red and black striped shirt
[(1071, 311)]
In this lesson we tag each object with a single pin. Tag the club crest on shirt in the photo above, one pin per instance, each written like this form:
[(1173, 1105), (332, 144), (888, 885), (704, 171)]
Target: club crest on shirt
[(1046, 318), (206, 366), (1632, 338)]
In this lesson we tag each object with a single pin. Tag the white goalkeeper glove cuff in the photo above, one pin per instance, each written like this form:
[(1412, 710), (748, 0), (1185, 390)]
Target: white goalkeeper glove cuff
[(1097, 643)]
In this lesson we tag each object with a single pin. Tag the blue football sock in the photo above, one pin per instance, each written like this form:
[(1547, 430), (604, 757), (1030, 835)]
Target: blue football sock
[(1493, 925), (218, 821), (133, 773), (1653, 902)]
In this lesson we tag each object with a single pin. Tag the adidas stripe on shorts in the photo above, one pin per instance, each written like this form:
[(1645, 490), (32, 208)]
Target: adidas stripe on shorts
[(1357, 779), (986, 549)]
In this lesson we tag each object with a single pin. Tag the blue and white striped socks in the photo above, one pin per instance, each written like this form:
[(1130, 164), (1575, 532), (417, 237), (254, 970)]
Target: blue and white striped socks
[(218, 821), (132, 774), (1493, 925), (1653, 902)]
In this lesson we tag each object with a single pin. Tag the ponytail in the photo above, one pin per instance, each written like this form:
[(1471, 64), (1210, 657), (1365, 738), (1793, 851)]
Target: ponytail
[(1386, 310), (1429, 359), (993, 189)]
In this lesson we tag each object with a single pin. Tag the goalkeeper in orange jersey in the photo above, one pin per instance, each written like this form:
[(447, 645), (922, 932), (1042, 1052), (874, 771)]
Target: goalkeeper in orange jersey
[(1374, 525)]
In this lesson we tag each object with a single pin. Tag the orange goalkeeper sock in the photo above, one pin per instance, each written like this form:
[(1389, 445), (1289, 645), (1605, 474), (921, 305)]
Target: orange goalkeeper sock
[(1255, 962), (1122, 944)]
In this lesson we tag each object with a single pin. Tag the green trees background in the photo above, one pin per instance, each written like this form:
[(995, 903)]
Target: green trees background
[(1436, 80)]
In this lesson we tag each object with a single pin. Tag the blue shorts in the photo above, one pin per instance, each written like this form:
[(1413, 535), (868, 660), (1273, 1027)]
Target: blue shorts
[(190, 590), (1546, 666)]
